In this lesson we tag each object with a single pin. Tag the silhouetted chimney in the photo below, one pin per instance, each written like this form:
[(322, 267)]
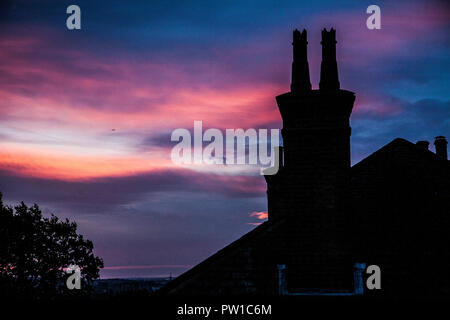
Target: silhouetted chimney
[(423, 144), (300, 69), (329, 79), (315, 166), (440, 144)]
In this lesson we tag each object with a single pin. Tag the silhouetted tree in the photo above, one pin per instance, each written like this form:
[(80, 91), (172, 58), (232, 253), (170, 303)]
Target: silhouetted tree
[(35, 250)]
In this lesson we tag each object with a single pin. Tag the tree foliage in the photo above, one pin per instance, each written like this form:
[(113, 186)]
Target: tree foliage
[(34, 252)]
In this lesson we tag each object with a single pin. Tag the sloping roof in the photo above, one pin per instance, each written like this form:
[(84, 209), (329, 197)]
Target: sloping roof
[(261, 230), (398, 150)]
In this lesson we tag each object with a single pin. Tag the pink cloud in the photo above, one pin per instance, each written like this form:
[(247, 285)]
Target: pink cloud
[(123, 94), (82, 99), (80, 96), (377, 105), (261, 215)]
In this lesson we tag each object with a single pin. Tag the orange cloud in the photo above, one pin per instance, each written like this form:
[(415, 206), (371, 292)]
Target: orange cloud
[(261, 215), (38, 163), (68, 108)]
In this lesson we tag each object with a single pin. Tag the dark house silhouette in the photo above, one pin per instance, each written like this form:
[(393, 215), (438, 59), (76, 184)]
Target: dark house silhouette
[(390, 210)]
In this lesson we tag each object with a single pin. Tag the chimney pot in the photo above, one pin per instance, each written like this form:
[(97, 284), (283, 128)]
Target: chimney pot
[(329, 79), (440, 144), (300, 68)]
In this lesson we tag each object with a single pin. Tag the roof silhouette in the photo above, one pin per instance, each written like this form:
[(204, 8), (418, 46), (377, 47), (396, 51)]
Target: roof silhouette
[(390, 209)]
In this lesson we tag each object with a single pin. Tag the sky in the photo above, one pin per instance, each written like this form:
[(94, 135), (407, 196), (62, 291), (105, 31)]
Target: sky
[(86, 115)]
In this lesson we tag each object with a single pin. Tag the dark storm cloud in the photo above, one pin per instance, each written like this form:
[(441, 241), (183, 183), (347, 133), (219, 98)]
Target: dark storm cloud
[(167, 217), (113, 191)]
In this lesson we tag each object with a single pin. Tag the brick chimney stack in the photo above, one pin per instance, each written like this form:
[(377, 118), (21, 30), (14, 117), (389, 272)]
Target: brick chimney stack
[(316, 137), (440, 144), (311, 189)]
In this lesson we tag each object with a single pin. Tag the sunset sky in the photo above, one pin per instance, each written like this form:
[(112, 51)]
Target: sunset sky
[(86, 115)]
